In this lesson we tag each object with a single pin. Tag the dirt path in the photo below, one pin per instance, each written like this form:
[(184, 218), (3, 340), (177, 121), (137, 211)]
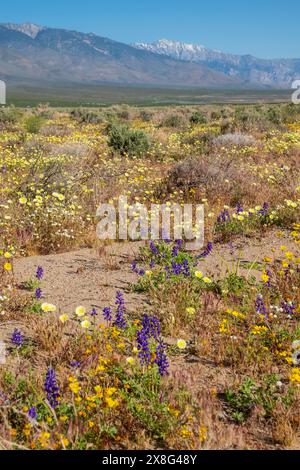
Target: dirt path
[(84, 277), (89, 278)]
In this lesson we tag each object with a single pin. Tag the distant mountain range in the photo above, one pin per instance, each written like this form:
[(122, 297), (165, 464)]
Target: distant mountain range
[(33, 52), (244, 68)]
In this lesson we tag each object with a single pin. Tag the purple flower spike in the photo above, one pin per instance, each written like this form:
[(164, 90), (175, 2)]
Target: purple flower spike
[(17, 338), (39, 273), (51, 388)]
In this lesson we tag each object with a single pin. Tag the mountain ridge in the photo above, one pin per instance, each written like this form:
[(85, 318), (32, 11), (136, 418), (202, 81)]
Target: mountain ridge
[(246, 68), (38, 52), (31, 51)]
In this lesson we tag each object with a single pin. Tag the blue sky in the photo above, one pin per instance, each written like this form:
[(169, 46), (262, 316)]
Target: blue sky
[(265, 28)]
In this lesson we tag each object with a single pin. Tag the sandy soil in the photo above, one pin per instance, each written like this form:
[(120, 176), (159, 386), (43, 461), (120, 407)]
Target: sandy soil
[(91, 278)]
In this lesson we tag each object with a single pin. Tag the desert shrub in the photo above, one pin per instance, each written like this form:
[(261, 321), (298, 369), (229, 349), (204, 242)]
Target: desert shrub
[(215, 176), (44, 111), (257, 117), (227, 126), (290, 112), (198, 118), (215, 115), (145, 116), (274, 115), (9, 115), (86, 116), (223, 113), (235, 139), (124, 114), (33, 124), (173, 120), (127, 141)]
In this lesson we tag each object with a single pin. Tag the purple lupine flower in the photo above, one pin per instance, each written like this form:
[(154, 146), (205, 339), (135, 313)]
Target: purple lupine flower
[(186, 268), (75, 365), (151, 329), (151, 326), (154, 248), (175, 251), (152, 264), (223, 217), (39, 273), (38, 293), (32, 413), (289, 308), (134, 266), (161, 359), (179, 243), (120, 321), (208, 250), (239, 208), (136, 270), (17, 338), (264, 210), (143, 347), (176, 248), (176, 268), (260, 306), (94, 312), (168, 274), (107, 314), (51, 388)]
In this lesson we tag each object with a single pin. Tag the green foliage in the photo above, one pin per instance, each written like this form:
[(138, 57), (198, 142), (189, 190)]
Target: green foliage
[(198, 118), (33, 124), (242, 401), (235, 284), (127, 141), (144, 402), (173, 121)]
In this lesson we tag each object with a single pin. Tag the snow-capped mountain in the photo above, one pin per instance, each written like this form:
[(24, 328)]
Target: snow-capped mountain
[(30, 29), (180, 50), (249, 69)]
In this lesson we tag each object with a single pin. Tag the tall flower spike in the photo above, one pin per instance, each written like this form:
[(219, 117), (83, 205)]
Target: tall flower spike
[(120, 321), (51, 388), (260, 306), (107, 314), (161, 359), (39, 273)]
